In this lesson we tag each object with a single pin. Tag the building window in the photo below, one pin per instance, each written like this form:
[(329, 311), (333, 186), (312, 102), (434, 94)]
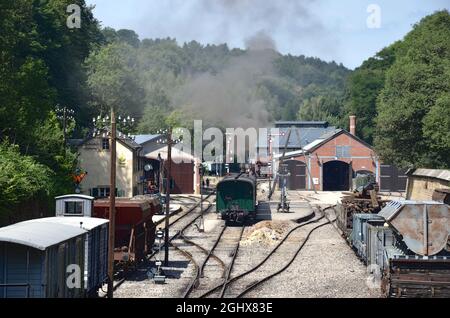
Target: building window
[(103, 192), (105, 144), (74, 208), (343, 151)]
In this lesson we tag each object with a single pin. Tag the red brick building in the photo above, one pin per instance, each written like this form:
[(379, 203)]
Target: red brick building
[(334, 159), (333, 156)]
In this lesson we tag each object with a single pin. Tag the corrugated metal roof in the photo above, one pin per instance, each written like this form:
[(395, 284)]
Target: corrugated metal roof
[(433, 173), (38, 234), (88, 223)]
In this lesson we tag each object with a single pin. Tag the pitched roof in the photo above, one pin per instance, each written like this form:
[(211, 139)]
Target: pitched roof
[(143, 139), (86, 223), (122, 138), (300, 137), (441, 174), (320, 141), (38, 234), (177, 154), (301, 124), (75, 196), (332, 134)]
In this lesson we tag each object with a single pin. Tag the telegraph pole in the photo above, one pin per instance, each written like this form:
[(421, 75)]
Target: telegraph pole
[(112, 206), (100, 129)]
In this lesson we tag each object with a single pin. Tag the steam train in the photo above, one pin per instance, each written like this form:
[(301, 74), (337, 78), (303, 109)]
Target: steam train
[(236, 198)]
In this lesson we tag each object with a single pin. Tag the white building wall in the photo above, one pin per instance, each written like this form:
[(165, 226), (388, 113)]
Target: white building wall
[(96, 162)]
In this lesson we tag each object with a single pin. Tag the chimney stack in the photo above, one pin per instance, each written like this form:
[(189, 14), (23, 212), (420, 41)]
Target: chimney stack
[(353, 125)]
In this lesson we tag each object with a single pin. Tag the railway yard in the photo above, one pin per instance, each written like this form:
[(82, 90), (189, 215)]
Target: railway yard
[(238, 240), (285, 255)]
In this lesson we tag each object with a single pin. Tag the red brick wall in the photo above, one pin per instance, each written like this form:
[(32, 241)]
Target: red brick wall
[(362, 157), (183, 176)]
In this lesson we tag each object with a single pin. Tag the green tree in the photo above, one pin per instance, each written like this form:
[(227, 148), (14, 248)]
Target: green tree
[(363, 88), (437, 130), (113, 78), (153, 120), (407, 106), (21, 179)]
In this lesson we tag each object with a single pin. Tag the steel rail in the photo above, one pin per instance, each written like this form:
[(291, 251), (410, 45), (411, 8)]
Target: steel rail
[(230, 267), (210, 254), (232, 280), (117, 285), (259, 282), (185, 214)]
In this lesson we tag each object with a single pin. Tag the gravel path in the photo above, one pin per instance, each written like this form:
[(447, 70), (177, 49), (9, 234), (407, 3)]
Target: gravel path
[(139, 286), (326, 267)]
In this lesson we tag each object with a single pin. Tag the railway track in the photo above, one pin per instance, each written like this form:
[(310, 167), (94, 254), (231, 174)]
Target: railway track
[(286, 266), (229, 282), (176, 219), (221, 243)]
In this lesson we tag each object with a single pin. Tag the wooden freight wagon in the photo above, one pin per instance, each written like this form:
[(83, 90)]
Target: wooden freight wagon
[(34, 258), (134, 228), (96, 249)]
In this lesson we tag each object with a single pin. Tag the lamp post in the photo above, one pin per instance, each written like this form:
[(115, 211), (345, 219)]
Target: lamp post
[(99, 130), (64, 114), (166, 139)]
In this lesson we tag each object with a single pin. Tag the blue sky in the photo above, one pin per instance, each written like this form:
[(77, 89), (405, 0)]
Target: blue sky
[(331, 30)]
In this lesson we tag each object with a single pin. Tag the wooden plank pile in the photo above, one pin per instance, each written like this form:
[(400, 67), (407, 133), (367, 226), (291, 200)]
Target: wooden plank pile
[(352, 204)]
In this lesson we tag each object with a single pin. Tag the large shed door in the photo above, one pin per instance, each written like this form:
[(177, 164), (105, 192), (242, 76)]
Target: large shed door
[(297, 178), (392, 179)]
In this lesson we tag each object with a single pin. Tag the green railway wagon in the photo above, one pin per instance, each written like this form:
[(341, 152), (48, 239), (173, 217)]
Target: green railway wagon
[(236, 198)]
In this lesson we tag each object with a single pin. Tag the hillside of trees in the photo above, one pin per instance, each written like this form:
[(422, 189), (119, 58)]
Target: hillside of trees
[(400, 96), (156, 79)]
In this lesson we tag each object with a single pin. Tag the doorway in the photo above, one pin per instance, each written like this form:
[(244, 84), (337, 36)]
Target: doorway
[(297, 175), (336, 176)]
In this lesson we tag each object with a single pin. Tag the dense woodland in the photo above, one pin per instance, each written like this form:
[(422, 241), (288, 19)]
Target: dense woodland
[(401, 96)]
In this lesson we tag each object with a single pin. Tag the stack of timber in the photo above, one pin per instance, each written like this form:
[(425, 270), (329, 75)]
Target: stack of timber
[(353, 203)]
